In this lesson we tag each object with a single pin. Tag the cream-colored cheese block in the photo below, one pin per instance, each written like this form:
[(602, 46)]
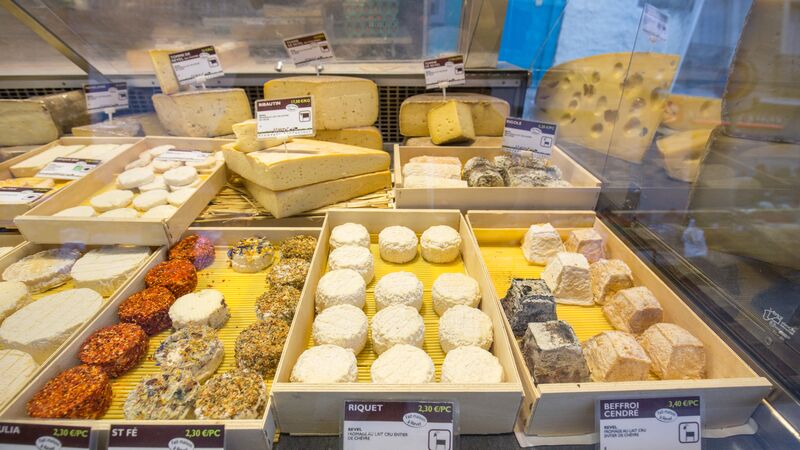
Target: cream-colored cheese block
[(163, 69), (13, 296), (305, 198), (304, 162), (587, 242), (247, 137), (207, 113), (611, 103), (103, 152), (26, 122), (567, 275), (479, 141), (339, 102), (683, 152), (450, 171), (450, 123), (105, 269), (367, 137), (676, 353), (34, 164), (687, 112), (616, 356), (40, 327), (16, 368), (488, 113)]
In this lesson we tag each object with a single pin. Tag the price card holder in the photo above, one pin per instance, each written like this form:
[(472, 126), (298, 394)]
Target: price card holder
[(129, 437), (444, 72), (650, 423), (654, 23), (533, 136), (309, 49), (196, 66), (21, 195), (106, 97), (284, 118), (38, 436), (400, 425), (68, 168), (184, 155)]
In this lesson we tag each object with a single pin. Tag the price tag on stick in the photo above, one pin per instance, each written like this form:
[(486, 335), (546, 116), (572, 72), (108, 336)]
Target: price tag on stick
[(100, 97), (308, 49), (196, 66), (399, 425), (654, 23), (650, 423), (444, 72), (284, 118), (129, 437), (36, 436), (536, 137)]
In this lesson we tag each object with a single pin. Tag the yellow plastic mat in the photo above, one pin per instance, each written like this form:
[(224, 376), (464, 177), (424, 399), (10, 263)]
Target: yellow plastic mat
[(240, 290), (427, 273)]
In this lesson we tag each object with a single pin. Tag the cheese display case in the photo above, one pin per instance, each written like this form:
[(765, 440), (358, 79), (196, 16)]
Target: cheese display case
[(523, 207)]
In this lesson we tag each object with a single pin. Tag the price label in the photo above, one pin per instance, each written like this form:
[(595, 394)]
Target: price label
[(308, 49), (536, 137), (172, 437), (398, 425), (31, 436), (68, 168), (286, 117), (634, 424), (21, 195), (654, 23), (449, 69), (100, 97), (184, 155), (196, 65)]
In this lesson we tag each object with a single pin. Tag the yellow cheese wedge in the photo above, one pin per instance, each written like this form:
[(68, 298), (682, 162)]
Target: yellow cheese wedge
[(305, 198), (246, 137), (479, 141), (339, 102), (303, 162), (164, 73), (26, 122), (611, 103), (683, 152), (367, 137), (686, 112), (450, 123), (207, 113), (488, 113)]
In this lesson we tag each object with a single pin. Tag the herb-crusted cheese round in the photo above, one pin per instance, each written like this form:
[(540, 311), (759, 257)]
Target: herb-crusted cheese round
[(195, 349), (168, 395), (325, 364), (342, 325), (403, 364), (237, 394), (397, 324)]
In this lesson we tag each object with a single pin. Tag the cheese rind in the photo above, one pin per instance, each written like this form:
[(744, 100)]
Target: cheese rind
[(450, 123), (26, 122), (13, 296), (304, 162), (164, 72), (567, 275), (34, 164), (676, 353), (633, 310), (105, 269), (207, 113), (338, 102), (616, 356), (488, 113), (367, 137)]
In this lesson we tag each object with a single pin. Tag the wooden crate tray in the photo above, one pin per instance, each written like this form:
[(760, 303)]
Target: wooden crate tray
[(39, 225), (582, 194), (730, 394), (240, 290), (315, 408)]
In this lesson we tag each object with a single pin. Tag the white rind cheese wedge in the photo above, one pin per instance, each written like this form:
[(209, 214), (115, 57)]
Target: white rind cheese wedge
[(44, 270), (40, 327), (339, 102), (488, 113), (26, 122), (13, 296), (207, 113), (105, 269), (16, 368), (611, 103), (31, 166), (304, 162), (305, 198)]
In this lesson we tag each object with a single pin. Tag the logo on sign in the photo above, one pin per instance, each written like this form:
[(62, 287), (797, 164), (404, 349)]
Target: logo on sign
[(415, 420), (180, 444), (666, 415), (48, 443)]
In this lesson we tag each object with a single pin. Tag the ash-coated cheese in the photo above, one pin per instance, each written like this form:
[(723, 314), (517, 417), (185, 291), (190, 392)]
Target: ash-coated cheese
[(471, 365), (367, 137), (397, 244), (342, 325), (462, 326), (451, 289), (303, 162), (207, 113), (541, 243), (77, 211), (633, 310), (16, 368), (567, 275), (204, 307), (488, 113), (587, 242), (163, 70), (424, 181), (450, 123), (43, 270), (398, 288), (13, 296), (31, 166), (527, 301), (349, 234), (305, 198), (397, 324), (150, 199), (339, 102), (440, 244), (113, 199), (325, 364), (553, 353), (607, 277), (105, 269), (352, 257), (340, 287), (676, 353), (450, 171), (40, 327), (403, 364), (616, 356), (133, 178)]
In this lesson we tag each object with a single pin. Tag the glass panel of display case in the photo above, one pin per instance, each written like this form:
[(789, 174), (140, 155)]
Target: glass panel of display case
[(25, 54)]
